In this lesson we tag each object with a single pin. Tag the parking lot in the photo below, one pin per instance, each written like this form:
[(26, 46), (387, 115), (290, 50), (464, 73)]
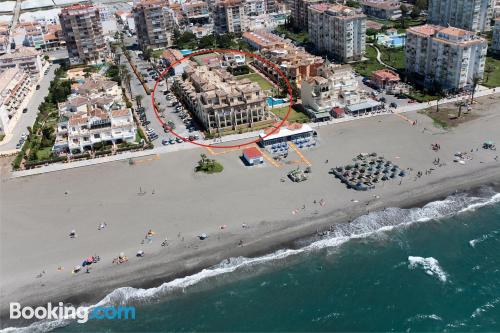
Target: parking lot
[(389, 100), (171, 112)]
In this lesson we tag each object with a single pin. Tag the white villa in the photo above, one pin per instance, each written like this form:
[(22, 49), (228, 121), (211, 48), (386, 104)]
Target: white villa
[(94, 113)]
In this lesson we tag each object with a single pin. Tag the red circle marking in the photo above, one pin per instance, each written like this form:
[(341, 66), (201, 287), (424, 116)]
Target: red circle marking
[(248, 54)]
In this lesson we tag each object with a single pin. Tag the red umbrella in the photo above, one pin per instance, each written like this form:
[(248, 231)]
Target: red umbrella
[(90, 259)]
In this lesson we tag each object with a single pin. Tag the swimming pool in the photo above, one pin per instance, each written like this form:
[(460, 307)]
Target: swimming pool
[(185, 52), (275, 101), (397, 41)]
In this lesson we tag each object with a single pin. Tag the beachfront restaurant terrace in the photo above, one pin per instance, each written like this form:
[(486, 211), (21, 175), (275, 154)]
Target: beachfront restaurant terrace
[(288, 132), (363, 107)]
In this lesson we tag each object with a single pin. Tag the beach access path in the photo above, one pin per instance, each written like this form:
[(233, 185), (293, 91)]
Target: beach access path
[(166, 195)]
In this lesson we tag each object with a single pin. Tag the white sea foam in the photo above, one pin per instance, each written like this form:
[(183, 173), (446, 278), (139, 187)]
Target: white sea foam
[(420, 317), (484, 237), (364, 226), (430, 265), (485, 307)]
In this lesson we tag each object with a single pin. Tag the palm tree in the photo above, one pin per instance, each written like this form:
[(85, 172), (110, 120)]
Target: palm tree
[(460, 104), (475, 82), (488, 70), (127, 78), (138, 100)]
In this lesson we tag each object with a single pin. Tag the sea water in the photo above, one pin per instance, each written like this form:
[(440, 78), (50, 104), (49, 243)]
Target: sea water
[(435, 268)]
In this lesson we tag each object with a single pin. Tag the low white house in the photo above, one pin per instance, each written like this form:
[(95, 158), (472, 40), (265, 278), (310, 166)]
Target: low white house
[(334, 86)]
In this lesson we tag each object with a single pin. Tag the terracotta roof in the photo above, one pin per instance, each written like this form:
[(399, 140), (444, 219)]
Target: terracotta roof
[(120, 113), (252, 152), (386, 74), (455, 32)]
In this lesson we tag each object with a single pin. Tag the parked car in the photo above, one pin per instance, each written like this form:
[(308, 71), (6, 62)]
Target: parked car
[(164, 142), (393, 105)]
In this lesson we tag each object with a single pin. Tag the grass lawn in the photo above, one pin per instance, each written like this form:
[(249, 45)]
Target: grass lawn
[(293, 117), (263, 83), (394, 57), (492, 79), (43, 153), (421, 97), (367, 67), (447, 116), (157, 53), (300, 37)]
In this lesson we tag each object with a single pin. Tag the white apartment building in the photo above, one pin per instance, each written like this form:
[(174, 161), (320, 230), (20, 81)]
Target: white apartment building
[(337, 30), (448, 57), (82, 130), (219, 101), (495, 43), (15, 84), (472, 15), (255, 7), (230, 16), (94, 113), (334, 86), (154, 23), (25, 58)]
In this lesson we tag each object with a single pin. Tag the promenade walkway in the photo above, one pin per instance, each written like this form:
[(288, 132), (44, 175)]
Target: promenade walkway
[(226, 139)]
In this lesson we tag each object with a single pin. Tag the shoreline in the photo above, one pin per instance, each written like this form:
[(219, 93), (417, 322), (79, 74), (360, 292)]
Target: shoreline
[(291, 237)]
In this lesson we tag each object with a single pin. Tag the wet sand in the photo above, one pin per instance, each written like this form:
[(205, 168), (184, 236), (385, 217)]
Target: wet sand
[(38, 212)]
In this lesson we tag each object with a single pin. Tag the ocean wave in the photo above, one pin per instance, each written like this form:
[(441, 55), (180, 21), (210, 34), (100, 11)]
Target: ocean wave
[(485, 308), (420, 317), (430, 265), (484, 237), (362, 227)]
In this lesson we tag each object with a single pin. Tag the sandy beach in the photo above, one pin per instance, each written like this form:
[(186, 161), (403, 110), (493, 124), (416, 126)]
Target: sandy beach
[(165, 195)]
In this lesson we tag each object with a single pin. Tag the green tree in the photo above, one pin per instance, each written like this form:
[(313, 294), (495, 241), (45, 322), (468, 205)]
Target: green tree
[(138, 100), (421, 4), (475, 82), (207, 42), (187, 40), (225, 41), (415, 13), (488, 69), (404, 12)]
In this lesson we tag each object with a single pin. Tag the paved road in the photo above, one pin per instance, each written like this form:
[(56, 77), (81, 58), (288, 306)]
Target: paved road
[(28, 118), (168, 112)]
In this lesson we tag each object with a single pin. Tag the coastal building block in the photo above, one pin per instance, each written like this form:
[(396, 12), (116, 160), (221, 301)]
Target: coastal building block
[(447, 57), (472, 15)]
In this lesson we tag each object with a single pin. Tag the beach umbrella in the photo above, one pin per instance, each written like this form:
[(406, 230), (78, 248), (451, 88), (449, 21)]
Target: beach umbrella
[(203, 236)]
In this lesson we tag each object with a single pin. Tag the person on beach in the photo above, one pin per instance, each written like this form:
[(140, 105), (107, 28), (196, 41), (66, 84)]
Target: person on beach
[(72, 234)]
